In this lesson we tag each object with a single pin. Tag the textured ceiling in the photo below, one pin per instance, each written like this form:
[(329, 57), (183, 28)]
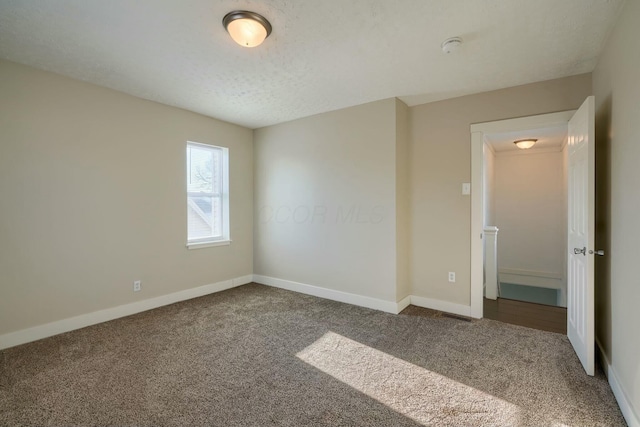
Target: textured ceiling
[(322, 55), (548, 139)]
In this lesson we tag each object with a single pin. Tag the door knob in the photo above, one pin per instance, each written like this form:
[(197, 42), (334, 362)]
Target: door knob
[(599, 252), (578, 251)]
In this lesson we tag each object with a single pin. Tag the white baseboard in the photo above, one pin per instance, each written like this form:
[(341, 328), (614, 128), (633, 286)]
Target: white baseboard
[(54, 328), (403, 303), (362, 301), (316, 291), (626, 407), (446, 306), (541, 279)]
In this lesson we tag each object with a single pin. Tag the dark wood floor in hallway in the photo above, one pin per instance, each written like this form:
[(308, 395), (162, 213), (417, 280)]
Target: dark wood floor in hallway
[(536, 316)]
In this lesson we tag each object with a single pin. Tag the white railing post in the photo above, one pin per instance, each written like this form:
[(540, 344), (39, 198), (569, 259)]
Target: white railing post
[(491, 262)]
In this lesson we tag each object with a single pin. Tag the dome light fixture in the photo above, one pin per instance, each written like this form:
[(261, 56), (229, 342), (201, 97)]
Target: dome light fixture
[(248, 29), (525, 144)]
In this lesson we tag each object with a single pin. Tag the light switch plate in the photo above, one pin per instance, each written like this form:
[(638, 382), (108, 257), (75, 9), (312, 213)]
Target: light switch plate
[(466, 188)]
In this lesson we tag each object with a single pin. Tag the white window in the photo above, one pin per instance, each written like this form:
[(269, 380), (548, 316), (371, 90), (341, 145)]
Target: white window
[(207, 195)]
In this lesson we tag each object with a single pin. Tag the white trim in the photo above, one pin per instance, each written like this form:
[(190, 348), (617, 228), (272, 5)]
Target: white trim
[(331, 294), (242, 280), (626, 407), (477, 225), (539, 279), (524, 123), (54, 328), (403, 303), (226, 218), (491, 285), (362, 301), (200, 245), (440, 305), (534, 273)]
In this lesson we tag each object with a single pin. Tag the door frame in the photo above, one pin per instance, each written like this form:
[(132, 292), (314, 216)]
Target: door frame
[(478, 131)]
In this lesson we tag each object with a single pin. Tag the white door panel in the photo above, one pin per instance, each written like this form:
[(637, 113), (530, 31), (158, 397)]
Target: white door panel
[(581, 199)]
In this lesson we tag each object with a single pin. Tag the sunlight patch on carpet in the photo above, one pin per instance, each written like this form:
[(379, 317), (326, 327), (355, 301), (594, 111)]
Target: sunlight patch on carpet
[(413, 391)]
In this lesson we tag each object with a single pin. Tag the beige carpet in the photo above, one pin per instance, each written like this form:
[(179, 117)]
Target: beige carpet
[(258, 356)]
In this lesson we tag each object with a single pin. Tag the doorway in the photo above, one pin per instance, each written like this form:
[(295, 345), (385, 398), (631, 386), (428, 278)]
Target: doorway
[(525, 224), (525, 199), (580, 160), (478, 211)]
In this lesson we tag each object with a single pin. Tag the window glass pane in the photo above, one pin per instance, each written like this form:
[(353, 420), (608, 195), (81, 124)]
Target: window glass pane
[(200, 169), (200, 217)]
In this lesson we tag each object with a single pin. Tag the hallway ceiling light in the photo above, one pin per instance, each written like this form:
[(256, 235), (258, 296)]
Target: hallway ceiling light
[(246, 28), (525, 144)]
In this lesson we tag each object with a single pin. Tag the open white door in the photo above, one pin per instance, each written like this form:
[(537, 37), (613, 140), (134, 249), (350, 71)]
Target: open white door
[(581, 195)]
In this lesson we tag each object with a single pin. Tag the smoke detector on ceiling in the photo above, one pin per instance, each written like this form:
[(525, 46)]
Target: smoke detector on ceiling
[(451, 44)]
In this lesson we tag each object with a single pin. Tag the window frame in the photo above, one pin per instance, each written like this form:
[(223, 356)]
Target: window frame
[(223, 194)]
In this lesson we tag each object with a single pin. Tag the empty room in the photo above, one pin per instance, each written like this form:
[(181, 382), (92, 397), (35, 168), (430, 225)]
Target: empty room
[(329, 213)]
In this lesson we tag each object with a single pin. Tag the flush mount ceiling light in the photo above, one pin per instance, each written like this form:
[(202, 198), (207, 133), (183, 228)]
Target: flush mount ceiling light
[(246, 28), (451, 45), (525, 144)]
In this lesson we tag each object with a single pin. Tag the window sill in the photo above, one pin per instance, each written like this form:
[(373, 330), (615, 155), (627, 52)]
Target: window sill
[(200, 245)]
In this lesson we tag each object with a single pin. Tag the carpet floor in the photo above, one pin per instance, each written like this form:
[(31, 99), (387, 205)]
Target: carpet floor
[(260, 356)]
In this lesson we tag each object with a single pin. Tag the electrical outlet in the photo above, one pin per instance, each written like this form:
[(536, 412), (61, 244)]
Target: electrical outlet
[(137, 286), (452, 277)]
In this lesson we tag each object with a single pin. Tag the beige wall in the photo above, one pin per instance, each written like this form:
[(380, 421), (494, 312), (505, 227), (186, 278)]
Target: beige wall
[(530, 213), (616, 85), (440, 163), (92, 186), (325, 200)]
